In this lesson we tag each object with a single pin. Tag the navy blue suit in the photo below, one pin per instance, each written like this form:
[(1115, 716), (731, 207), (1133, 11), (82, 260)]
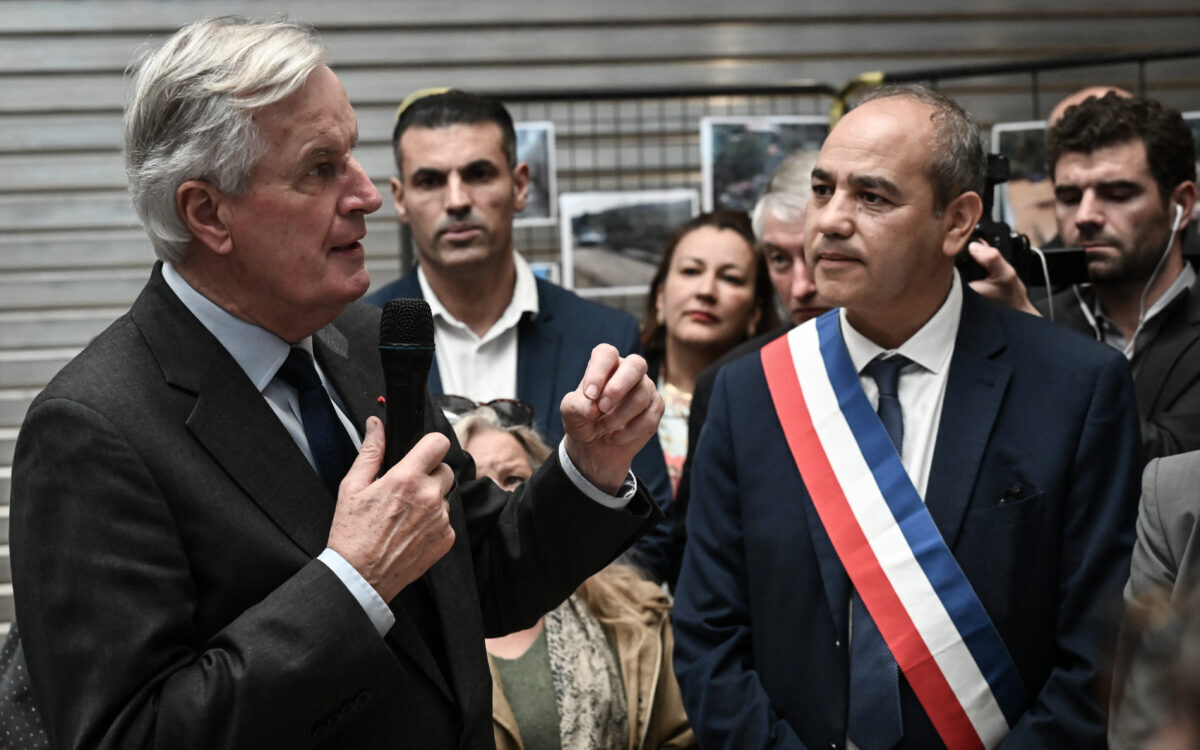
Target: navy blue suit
[(553, 348), (1032, 413)]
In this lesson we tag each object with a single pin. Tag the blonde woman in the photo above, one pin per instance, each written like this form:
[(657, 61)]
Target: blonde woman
[(596, 672)]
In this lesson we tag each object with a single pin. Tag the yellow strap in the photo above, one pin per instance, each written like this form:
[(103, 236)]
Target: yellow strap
[(856, 84)]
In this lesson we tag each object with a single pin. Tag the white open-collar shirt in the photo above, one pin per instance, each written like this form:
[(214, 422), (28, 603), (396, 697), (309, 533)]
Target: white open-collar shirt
[(922, 387)]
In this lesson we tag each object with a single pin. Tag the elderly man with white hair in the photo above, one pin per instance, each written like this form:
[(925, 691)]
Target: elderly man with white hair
[(207, 549)]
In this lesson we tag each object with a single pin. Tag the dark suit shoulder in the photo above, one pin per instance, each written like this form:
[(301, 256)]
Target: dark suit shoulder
[(405, 287), (1067, 312), (565, 307), (1049, 348), (106, 375), (359, 321), (708, 376), (741, 372)]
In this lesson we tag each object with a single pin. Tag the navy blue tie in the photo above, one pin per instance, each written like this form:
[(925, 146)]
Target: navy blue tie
[(332, 449), (875, 722), (334, 452)]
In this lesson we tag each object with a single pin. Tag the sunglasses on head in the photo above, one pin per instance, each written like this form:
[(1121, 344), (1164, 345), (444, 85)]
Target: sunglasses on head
[(511, 412)]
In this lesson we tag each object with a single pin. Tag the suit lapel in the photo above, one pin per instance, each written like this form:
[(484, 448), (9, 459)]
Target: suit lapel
[(538, 348), (834, 578), (1180, 331), (361, 387), (405, 637), (446, 581), (233, 421), (974, 393)]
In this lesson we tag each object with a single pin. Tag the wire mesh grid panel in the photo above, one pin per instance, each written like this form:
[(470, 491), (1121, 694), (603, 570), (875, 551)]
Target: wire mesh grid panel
[(635, 141)]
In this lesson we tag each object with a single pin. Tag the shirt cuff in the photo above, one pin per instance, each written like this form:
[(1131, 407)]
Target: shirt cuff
[(617, 502), (368, 598)]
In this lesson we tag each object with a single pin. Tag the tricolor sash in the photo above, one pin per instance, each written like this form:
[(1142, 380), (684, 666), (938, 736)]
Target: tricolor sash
[(923, 604)]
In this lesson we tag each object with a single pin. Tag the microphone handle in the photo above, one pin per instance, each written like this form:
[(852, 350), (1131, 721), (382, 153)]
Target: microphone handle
[(406, 374)]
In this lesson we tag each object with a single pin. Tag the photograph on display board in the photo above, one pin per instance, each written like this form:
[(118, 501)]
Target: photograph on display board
[(1026, 201), (739, 153), (535, 147), (1191, 242), (612, 241)]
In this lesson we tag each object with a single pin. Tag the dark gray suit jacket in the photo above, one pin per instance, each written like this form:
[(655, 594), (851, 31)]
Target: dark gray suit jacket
[(164, 527), (1165, 567), (1166, 374)]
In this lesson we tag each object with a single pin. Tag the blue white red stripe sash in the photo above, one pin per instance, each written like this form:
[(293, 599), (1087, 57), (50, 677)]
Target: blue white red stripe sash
[(923, 604)]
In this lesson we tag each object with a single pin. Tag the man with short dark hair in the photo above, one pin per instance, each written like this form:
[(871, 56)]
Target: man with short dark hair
[(500, 331), (1124, 187), (207, 549), (910, 516)]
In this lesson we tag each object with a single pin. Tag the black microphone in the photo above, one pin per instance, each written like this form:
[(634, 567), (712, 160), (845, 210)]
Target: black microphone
[(406, 349)]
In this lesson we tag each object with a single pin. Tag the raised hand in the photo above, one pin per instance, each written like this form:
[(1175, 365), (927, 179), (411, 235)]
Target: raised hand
[(610, 416)]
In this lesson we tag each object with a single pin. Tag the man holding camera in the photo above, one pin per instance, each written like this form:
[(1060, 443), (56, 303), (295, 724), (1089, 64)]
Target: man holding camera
[(1124, 187)]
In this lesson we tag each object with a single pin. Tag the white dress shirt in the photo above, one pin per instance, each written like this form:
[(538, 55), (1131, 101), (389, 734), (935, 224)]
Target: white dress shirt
[(1108, 332), (921, 390), (922, 387), (481, 367)]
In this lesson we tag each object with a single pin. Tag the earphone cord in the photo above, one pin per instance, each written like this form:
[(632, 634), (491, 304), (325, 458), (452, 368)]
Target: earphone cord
[(1150, 281)]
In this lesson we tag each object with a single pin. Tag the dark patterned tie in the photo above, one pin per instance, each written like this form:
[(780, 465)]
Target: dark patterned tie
[(875, 721), (331, 447), (333, 452)]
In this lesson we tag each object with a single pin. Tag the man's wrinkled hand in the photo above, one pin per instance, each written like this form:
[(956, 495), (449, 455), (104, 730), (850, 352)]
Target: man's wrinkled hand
[(610, 416), (394, 528)]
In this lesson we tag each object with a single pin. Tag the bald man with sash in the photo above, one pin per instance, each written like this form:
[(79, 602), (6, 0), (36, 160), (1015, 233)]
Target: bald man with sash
[(911, 517)]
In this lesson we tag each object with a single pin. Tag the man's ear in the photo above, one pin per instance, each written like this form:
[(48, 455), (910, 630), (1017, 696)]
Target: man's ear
[(959, 220), (520, 176), (1184, 196), (752, 324), (205, 212), (398, 199)]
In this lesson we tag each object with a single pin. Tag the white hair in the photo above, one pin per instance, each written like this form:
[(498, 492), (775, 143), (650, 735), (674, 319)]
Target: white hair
[(787, 191), (191, 107)]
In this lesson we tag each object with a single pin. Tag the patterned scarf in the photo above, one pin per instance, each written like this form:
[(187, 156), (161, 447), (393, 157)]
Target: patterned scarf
[(592, 714)]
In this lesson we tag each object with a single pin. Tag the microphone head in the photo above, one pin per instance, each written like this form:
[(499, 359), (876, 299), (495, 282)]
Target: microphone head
[(406, 323)]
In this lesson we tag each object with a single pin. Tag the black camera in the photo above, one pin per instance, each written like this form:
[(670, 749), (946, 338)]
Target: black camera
[(1065, 265)]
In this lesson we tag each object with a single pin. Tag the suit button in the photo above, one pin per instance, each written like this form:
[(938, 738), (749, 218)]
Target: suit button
[(364, 699)]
